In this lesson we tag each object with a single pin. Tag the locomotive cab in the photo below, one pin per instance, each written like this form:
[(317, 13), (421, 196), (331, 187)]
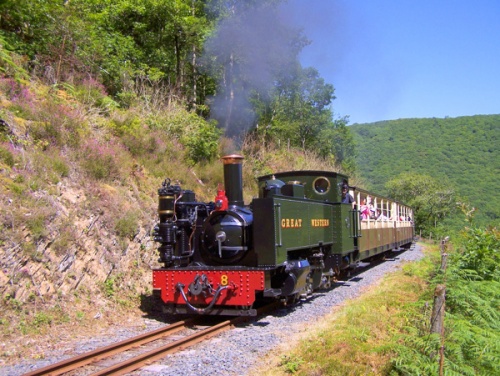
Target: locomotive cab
[(313, 185)]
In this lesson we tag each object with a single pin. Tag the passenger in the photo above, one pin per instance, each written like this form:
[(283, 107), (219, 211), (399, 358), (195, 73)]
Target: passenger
[(346, 196), (364, 210), (371, 209), (381, 216)]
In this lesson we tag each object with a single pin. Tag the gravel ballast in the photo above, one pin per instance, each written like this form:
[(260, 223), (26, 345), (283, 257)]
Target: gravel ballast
[(238, 351)]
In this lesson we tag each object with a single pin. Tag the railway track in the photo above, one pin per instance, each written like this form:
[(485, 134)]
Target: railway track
[(125, 366)]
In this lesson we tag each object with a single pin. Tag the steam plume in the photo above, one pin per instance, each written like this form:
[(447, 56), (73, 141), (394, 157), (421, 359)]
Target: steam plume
[(248, 51)]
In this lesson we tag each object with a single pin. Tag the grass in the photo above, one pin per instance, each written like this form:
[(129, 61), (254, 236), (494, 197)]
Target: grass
[(361, 337)]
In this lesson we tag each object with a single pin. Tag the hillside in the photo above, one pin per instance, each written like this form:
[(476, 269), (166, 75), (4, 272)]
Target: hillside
[(463, 150), (78, 201)]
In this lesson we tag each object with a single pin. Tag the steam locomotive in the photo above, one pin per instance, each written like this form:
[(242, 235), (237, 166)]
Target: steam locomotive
[(225, 257)]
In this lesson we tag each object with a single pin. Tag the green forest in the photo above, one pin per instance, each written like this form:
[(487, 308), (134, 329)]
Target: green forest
[(462, 153), (198, 54)]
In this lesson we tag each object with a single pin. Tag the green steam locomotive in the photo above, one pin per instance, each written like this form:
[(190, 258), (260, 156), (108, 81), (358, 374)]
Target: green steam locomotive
[(297, 236)]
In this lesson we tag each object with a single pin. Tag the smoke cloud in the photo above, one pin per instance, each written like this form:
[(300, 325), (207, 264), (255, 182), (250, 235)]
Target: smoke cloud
[(247, 52)]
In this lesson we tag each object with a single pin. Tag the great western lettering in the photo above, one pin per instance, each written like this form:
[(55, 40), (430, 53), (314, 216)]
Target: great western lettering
[(291, 223)]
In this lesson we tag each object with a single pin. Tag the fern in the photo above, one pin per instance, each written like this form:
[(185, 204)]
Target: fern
[(7, 63), (472, 320), (473, 301)]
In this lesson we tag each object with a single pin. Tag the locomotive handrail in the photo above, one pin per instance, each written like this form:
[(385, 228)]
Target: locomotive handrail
[(356, 226), (280, 241), (201, 311)]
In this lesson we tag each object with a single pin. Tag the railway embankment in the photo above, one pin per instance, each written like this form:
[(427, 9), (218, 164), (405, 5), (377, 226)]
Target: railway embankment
[(242, 350), (400, 326)]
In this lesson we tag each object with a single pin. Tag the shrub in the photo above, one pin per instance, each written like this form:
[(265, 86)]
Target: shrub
[(45, 133), (108, 287), (15, 90), (472, 301), (199, 137), (42, 319), (140, 144), (60, 167), (66, 238), (479, 254), (127, 98), (90, 92), (125, 123), (6, 156), (472, 320), (8, 61), (201, 141), (58, 123), (99, 160), (126, 226), (50, 166), (36, 225), (41, 213)]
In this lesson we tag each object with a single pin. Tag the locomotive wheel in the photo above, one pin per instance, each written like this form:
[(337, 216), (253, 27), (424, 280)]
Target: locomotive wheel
[(315, 277), (291, 299)]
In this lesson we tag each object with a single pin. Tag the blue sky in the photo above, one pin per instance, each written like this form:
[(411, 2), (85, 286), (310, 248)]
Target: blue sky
[(404, 59)]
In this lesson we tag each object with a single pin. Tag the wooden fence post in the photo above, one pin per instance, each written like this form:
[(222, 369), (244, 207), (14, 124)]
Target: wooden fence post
[(444, 255), (437, 317), (437, 321)]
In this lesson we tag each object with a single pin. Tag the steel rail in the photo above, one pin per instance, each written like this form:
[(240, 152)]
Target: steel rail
[(133, 363), (148, 357), (107, 351), (136, 362)]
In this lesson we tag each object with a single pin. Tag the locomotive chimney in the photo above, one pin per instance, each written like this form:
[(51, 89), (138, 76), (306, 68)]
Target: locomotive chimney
[(233, 179)]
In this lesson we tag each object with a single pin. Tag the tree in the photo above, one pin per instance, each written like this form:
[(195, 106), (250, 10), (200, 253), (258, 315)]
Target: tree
[(27, 25), (300, 108), (166, 35), (432, 200), (114, 41), (337, 141)]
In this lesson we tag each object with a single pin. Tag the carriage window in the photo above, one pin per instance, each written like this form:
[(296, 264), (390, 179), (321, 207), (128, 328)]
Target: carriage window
[(321, 185)]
